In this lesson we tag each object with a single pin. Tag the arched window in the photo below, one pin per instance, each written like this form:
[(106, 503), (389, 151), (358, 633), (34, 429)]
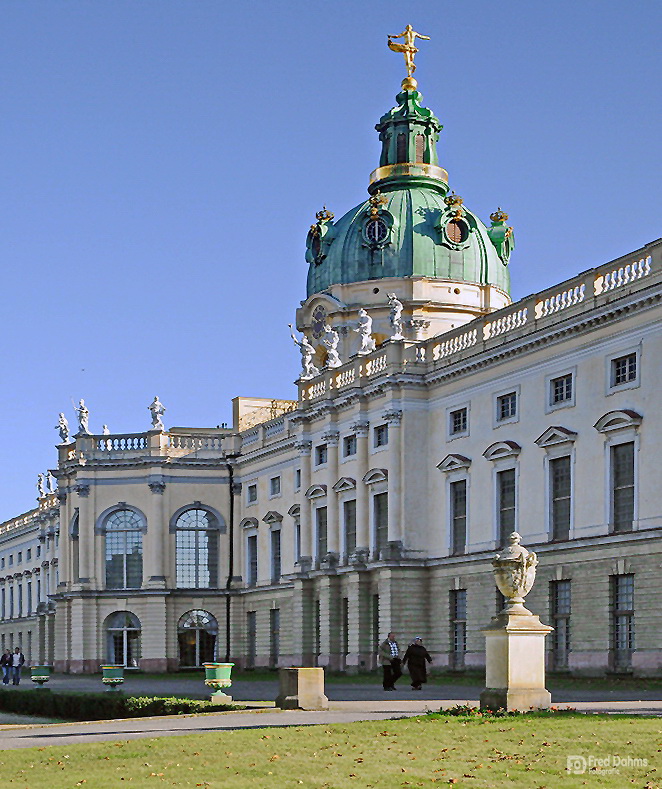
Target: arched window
[(196, 632), (197, 549), (420, 148), (401, 148), (124, 549), (123, 634)]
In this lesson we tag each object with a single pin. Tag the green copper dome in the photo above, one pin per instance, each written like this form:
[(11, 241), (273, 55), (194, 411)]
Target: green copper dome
[(410, 226)]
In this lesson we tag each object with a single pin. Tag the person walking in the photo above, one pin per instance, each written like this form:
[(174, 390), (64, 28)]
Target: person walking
[(389, 656), (415, 657), (17, 661), (5, 664)]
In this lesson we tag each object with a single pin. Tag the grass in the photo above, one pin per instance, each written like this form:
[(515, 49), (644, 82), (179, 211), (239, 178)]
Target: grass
[(527, 751)]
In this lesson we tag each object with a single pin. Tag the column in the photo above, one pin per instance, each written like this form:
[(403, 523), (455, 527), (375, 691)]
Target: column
[(86, 535), (302, 622), (393, 419), (361, 429), (154, 538), (305, 560), (359, 639), (332, 438)]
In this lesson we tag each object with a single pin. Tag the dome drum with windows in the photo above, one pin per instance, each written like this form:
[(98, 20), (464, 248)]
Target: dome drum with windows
[(411, 236)]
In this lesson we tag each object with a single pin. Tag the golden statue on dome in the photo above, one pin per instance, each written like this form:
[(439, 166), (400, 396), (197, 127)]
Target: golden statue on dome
[(409, 50)]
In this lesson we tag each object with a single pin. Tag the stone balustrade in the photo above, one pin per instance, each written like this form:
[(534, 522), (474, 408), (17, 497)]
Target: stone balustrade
[(589, 290)]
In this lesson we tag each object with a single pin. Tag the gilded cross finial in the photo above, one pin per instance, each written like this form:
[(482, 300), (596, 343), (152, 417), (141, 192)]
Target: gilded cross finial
[(409, 50)]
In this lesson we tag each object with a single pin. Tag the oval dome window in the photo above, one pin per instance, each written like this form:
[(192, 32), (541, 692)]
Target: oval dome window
[(376, 231), (457, 231)]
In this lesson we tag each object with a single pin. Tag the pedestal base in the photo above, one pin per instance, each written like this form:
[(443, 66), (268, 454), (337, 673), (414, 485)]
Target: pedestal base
[(302, 689), (218, 697), (517, 699)]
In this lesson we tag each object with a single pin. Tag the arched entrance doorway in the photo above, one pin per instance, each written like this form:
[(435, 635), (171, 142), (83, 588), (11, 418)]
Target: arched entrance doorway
[(123, 639), (196, 632)]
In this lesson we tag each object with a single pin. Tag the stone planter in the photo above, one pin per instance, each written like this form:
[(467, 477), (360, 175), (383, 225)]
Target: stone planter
[(217, 676), (40, 675), (113, 676)]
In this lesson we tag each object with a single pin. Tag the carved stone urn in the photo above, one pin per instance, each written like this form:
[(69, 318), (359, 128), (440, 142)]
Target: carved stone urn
[(515, 572)]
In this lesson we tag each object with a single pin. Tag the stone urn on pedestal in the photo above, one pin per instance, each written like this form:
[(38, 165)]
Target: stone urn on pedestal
[(515, 639), (218, 676)]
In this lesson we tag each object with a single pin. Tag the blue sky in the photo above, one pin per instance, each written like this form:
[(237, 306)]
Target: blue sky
[(162, 161)]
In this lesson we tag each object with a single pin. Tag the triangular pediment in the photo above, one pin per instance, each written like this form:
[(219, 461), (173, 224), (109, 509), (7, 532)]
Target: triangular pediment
[(618, 420), (272, 517), (375, 475), (502, 449), (555, 435), (316, 491), (454, 463), (344, 483)]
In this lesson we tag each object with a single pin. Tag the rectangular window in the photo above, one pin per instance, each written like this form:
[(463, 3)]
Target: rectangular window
[(321, 454), (349, 519), (381, 436), (2, 563), (39, 591), (11, 559), (297, 538), (317, 630), (458, 421), (624, 369), (251, 545), (458, 491), (320, 529), (11, 602), (622, 600), (506, 500), (622, 481), (560, 389), (251, 495), (4, 604), (274, 636), (380, 501), (275, 556), (20, 599), (274, 486), (506, 406), (251, 639), (458, 627), (38, 551), (28, 600), (297, 478), (559, 595), (560, 489), (349, 445), (19, 557), (28, 555)]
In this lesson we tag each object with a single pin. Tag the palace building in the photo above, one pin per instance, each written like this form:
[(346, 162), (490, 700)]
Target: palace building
[(375, 500)]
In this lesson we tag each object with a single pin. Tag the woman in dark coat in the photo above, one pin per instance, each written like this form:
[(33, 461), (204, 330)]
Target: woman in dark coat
[(415, 657)]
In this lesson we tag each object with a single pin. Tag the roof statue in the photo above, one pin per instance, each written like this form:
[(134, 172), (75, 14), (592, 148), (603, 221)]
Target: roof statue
[(409, 50)]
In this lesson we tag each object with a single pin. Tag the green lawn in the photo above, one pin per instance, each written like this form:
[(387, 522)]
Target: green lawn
[(522, 752)]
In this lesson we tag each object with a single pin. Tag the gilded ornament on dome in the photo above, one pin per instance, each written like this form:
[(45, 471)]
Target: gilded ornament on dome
[(499, 216), (376, 202), (324, 215), (453, 199)]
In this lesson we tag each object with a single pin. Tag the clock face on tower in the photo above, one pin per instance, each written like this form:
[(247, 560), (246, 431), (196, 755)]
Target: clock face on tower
[(318, 322)]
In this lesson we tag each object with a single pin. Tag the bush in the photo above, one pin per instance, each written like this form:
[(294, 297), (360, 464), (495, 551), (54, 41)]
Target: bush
[(467, 711), (100, 706)]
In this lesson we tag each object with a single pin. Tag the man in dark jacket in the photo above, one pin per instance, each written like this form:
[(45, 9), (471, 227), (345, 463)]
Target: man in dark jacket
[(5, 664), (17, 660), (415, 656), (389, 657)]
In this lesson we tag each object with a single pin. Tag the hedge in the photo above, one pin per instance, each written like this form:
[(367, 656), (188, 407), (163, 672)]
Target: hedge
[(100, 706)]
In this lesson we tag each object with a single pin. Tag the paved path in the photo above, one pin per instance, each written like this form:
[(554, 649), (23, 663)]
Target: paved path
[(340, 712)]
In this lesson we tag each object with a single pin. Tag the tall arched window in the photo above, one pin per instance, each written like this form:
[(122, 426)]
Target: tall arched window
[(196, 632), (401, 148), (123, 634), (124, 549), (197, 549)]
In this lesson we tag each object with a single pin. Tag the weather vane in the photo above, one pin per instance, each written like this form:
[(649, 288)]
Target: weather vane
[(409, 50)]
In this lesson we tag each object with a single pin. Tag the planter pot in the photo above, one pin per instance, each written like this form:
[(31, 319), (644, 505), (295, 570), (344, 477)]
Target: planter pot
[(217, 676), (113, 676), (40, 675)]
